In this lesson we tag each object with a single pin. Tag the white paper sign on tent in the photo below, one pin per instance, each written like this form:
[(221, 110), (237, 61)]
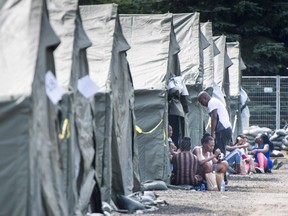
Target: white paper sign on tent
[(87, 87), (53, 91)]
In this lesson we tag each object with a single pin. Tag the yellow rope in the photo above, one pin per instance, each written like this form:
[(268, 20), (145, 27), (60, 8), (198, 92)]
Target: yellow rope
[(140, 131), (164, 135), (65, 130), (208, 124)]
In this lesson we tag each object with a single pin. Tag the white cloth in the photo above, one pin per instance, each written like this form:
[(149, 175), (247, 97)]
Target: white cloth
[(178, 82), (243, 97), (213, 104), (245, 112)]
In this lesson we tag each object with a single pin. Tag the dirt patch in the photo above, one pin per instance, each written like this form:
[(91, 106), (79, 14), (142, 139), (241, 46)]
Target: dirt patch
[(257, 194)]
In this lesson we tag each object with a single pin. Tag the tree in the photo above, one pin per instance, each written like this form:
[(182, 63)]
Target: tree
[(261, 26)]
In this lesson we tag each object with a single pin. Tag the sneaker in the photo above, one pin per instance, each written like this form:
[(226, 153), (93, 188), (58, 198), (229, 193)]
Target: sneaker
[(259, 170), (279, 165), (275, 164), (268, 171)]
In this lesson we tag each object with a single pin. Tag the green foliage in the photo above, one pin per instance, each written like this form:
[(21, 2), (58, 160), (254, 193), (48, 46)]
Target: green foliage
[(274, 51), (268, 58), (233, 37), (105, 1), (247, 9), (259, 25), (283, 33), (252, 29), (221, 26)]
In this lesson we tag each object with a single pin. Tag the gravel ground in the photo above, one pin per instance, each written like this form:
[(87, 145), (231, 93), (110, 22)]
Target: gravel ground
[(257, 194)]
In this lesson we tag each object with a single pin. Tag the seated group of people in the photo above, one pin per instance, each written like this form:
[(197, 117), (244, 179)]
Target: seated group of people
[(242, 161), (190, 166)]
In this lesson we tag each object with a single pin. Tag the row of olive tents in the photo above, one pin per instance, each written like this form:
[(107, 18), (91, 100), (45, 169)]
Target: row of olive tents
[(30, 172), (74, 85), (63, 149)]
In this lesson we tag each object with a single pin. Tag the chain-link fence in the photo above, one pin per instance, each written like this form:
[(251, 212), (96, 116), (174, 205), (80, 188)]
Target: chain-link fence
[(268, 100)]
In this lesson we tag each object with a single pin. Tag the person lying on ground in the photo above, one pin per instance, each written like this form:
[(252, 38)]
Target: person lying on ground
[(208, 161), (261, 152), (185, 165)]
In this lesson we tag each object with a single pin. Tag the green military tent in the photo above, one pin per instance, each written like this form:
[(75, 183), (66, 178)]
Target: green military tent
[(235, 76), (116, 159), (207, 53), (77, 145), (30, 175), (188, 35), (221, 64), (153, 59)]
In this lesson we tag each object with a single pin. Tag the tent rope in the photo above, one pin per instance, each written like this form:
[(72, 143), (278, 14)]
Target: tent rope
[(140, 131), (65, 130), (208, 124)]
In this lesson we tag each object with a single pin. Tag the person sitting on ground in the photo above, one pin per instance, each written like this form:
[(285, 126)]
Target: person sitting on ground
[(185, 165), (235, 154), (261, 152), (250, 167), (172, 147), (246, 143), (207, 160)]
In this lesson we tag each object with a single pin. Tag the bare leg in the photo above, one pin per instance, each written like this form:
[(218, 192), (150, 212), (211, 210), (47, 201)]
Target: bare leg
[(222, 167), (207, 168), (247, 166), (238, 169)]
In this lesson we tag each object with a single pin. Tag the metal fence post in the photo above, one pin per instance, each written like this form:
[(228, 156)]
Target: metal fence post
[(277, 102)]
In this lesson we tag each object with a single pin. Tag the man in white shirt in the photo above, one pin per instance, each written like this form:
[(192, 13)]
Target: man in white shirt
[(220, 124)]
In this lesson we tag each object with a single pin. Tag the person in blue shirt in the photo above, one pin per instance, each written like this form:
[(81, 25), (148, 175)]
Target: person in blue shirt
[(261, 152)]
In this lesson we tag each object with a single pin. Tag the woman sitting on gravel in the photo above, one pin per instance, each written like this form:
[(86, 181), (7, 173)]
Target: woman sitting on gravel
[(261, 152), (236, 154), (209, 161)]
